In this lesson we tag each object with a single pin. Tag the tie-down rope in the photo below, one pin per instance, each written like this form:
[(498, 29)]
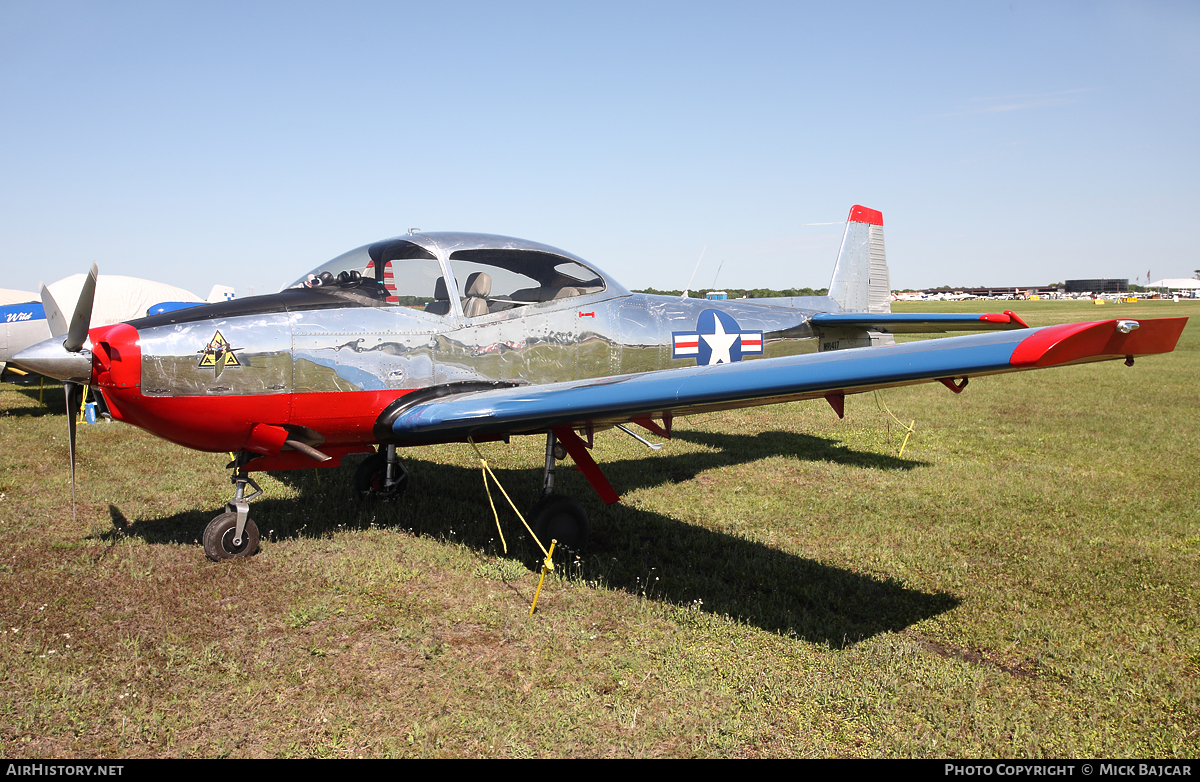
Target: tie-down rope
[(908, 429), (548, 562)]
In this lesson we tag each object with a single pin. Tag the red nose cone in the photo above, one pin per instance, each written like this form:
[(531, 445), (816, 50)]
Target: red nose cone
[(118, 359)]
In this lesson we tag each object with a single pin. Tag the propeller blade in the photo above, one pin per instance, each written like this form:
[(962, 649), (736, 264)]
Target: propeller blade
[(54, 317), (81, 321), (74, 395)]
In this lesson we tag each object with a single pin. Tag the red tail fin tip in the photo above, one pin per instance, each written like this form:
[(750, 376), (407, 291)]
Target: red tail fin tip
[(861, 214)]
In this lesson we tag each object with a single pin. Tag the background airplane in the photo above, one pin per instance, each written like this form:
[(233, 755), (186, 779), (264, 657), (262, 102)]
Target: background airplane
[(117, 299), (455, 337)]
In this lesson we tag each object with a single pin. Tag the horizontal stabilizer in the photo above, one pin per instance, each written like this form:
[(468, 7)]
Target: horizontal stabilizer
[(919, 322)]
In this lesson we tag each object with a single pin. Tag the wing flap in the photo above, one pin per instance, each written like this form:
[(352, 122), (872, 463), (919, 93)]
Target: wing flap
[(692, 390)]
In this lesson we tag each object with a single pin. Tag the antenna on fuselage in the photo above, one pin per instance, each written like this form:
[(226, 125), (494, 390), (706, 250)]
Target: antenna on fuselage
[(693, 277), (715, 276), (412, 231)]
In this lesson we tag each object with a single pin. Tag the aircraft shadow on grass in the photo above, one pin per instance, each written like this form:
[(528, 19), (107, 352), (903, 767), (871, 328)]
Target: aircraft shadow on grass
[(635, 550), (745, 448), (52, 400)]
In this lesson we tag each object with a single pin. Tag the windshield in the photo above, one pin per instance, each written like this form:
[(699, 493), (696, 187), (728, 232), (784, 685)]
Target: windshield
[(397, 272)]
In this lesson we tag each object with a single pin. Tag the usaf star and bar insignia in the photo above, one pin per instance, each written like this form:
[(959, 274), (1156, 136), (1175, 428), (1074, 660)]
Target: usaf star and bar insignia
[(718, 339), (219, 354)]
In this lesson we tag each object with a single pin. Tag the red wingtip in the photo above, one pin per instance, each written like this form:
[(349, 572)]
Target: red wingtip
[(861, 214), (1078, 342)]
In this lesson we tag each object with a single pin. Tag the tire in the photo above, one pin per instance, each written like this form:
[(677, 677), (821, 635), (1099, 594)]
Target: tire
[(563, 519), (218, 538), (370, 476)]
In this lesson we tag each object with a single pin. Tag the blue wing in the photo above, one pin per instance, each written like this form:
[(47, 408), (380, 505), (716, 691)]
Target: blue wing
[(684, 391)]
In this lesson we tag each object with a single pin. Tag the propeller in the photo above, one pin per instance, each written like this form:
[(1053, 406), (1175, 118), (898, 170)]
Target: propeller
[(74, 393), (74, 369), (81, 321)]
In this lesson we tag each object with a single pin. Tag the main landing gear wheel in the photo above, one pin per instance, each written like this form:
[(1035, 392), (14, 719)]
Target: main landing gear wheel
[(560, 518), (370, 479), (219, 534)]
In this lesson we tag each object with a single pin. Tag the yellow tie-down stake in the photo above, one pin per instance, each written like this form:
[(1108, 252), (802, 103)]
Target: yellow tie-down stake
[(547, 566)]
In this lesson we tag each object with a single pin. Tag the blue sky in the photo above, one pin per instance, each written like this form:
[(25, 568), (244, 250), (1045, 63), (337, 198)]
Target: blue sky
[(244, 143)]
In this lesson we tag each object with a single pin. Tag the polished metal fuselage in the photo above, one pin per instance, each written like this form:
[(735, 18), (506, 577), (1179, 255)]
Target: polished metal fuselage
[(357, 348), (328, 357)]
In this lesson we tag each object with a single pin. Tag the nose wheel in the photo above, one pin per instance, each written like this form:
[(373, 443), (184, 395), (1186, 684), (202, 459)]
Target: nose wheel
[(220, 534), (233, 534)]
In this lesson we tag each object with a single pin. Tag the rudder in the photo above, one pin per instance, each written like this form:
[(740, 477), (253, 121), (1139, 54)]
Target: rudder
[(860, 278)]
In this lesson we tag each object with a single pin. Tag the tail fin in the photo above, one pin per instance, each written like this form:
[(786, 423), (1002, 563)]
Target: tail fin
[(220, 293), (860, 278)]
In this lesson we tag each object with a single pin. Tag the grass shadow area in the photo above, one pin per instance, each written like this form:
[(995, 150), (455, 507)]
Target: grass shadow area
[(661, 558), (738, 448), (638, 551), (52, 402)]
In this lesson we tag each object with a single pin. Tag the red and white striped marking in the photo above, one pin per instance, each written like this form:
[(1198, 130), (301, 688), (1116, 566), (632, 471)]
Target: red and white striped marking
[(687, 344), (388, 282)]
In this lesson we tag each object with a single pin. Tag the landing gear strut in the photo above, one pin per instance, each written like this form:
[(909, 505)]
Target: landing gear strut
[(556, 517), (233, 534), (381, 476)]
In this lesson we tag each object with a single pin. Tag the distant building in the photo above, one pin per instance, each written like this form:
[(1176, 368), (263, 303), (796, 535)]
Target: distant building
[(716, 295), (1105, 285), (1015, 290)]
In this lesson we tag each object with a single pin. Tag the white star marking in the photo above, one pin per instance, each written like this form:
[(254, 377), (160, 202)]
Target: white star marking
[(720, 342)]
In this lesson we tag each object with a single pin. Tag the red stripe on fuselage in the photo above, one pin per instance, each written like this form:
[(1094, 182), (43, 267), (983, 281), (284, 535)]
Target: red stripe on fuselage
[(223, 423)]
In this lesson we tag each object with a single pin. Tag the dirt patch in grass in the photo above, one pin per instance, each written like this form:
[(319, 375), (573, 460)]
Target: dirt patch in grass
[(1026, 669)]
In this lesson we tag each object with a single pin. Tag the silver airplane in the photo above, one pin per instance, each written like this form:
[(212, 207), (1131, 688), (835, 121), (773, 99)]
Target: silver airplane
[(453, 337)]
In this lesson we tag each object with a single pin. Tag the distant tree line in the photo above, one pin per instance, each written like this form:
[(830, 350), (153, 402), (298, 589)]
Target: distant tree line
[(749, 293)]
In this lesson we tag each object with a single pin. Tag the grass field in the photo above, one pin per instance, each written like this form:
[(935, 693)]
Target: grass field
[(1023, 582)]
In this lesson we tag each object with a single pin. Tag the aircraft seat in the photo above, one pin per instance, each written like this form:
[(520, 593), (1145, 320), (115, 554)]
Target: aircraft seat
[(479, 287), (441, 299)]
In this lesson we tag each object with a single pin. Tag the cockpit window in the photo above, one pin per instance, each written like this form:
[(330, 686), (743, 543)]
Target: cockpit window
[(393, 272), (579, 274), (497, 280)]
